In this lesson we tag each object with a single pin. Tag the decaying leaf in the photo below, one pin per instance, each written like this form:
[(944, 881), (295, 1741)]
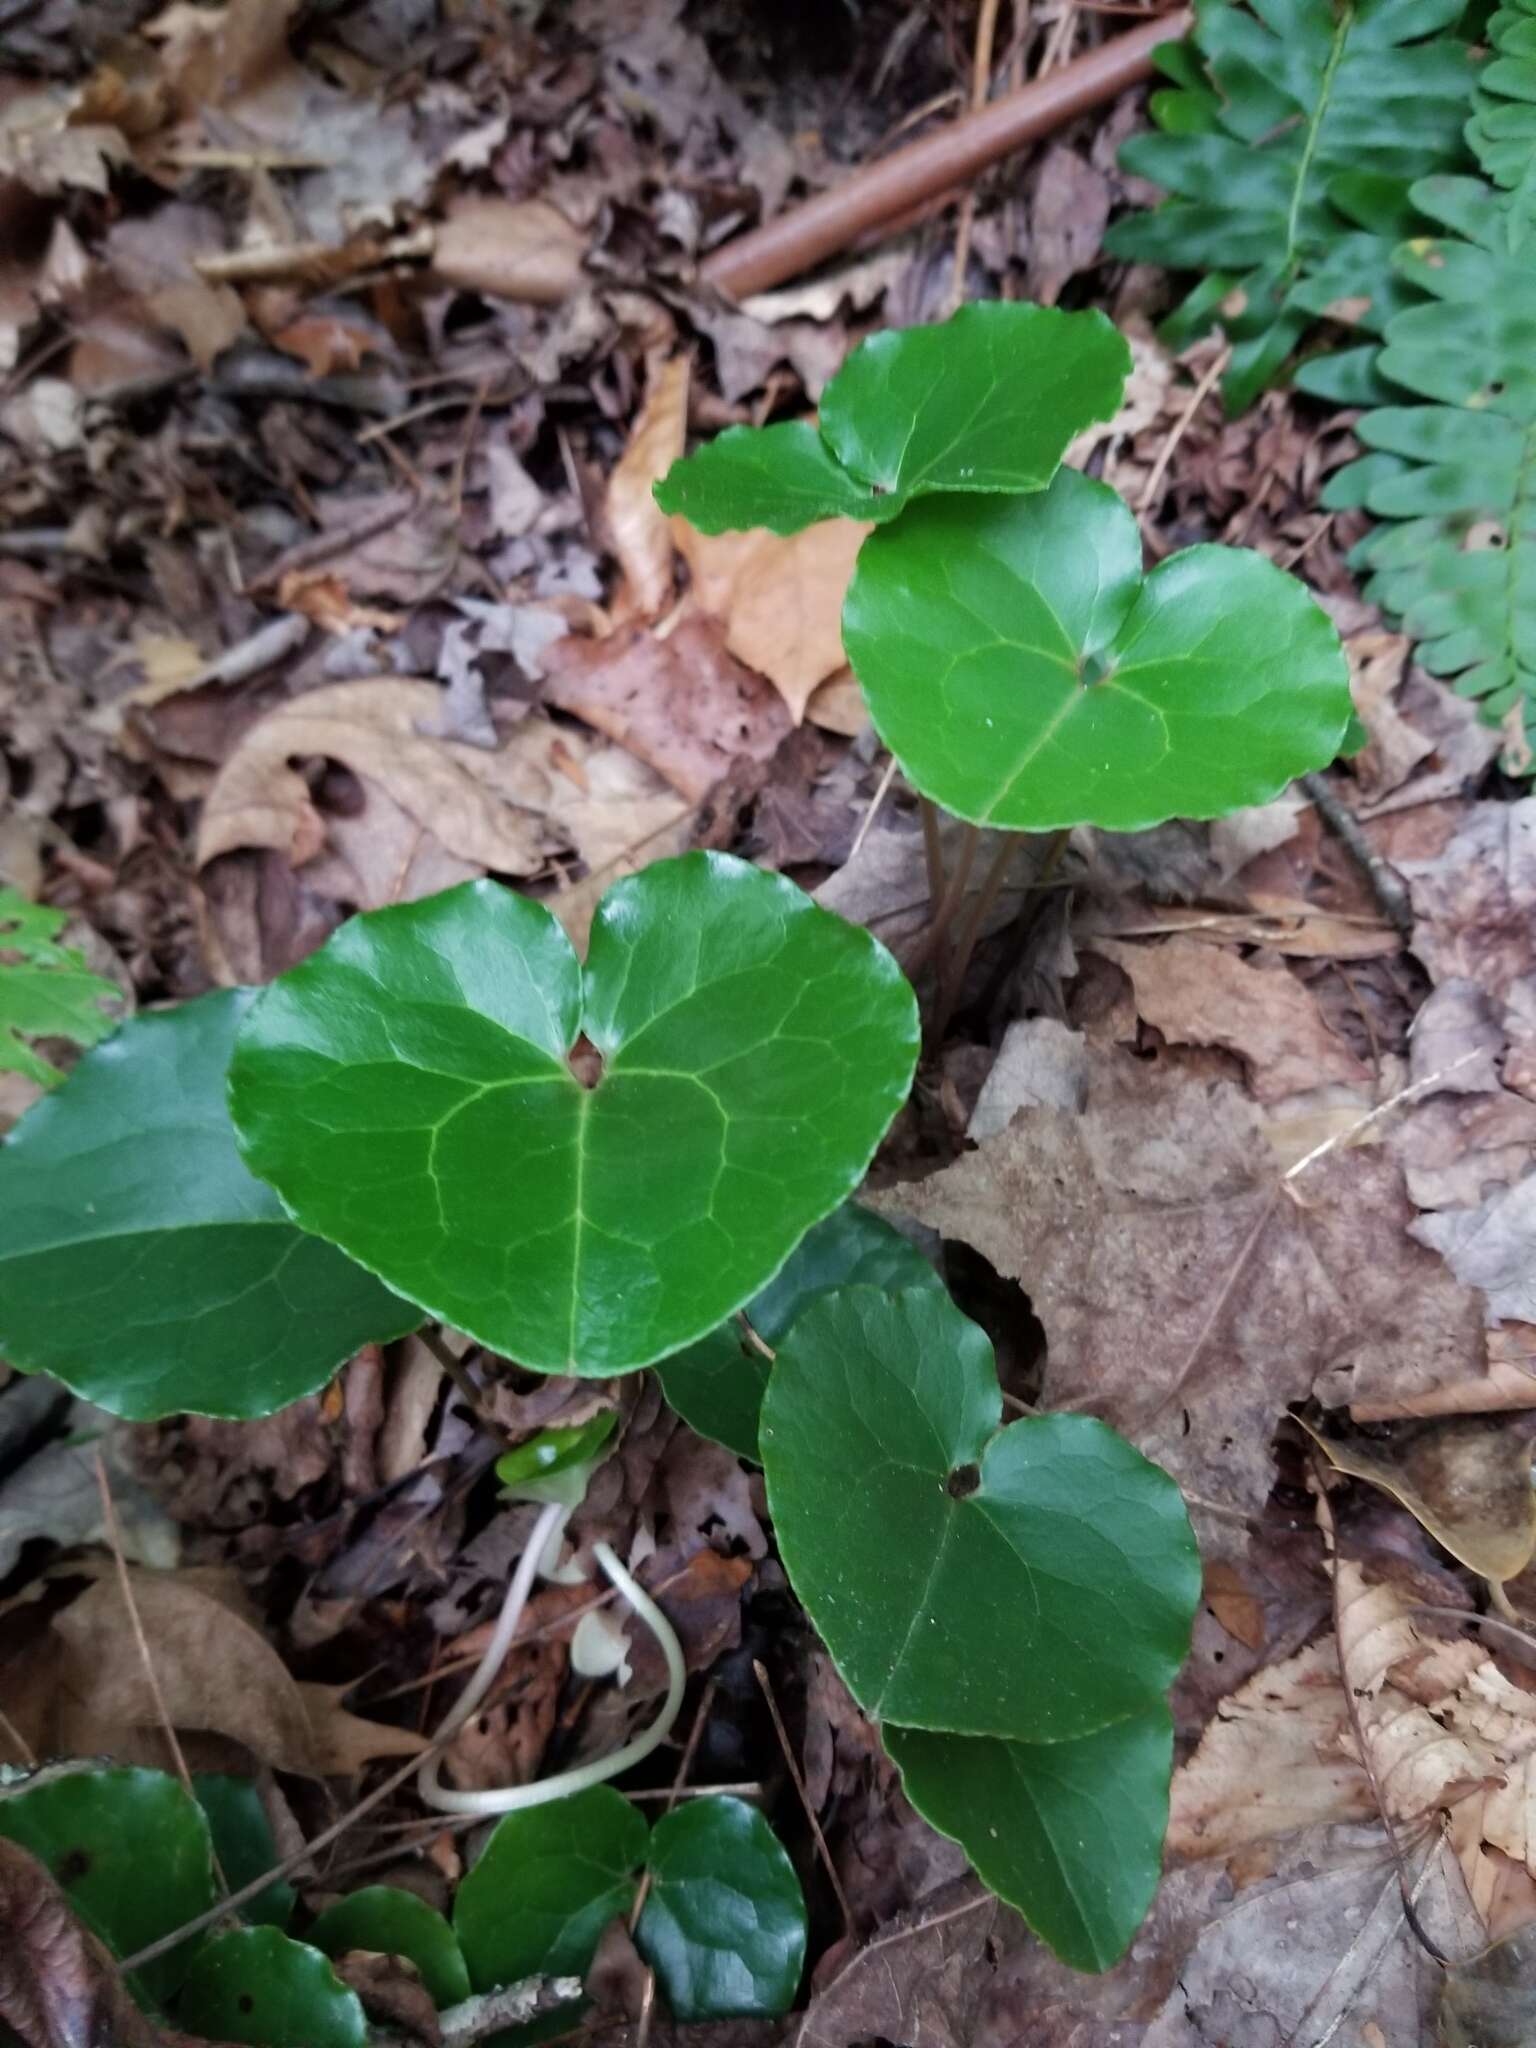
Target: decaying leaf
[(507, 810), (1466, 1479), (683, 705), (780, 599), (1187, 1295), (511, 248), (82, 1690), (1204, 995), (641, 531), (922, 1979)]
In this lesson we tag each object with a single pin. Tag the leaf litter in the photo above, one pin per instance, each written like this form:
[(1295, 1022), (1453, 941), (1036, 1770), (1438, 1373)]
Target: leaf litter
[(340, 353)]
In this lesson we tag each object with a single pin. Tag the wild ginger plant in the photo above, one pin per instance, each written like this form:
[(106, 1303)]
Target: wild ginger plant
[(591, 1167)]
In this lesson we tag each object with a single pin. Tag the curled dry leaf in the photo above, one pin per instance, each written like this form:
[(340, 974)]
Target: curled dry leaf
[(683, 705), (780, 598), (1466, 1479), (1445, 1733), (641, 531), (506, 810), (511, 249), (1203, 995)]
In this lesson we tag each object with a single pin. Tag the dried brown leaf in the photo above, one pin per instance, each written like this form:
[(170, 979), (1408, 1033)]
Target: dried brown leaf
[(921, 1980), (779, 598), (641, 531), (512, 249)]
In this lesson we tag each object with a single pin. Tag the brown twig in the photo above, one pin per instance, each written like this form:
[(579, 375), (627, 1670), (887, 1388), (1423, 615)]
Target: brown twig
[(320, 547), (878, 193), (1383, 881), (136, 1623), (761, 1674), (454, 1367), (981, 86), (1181, 425)]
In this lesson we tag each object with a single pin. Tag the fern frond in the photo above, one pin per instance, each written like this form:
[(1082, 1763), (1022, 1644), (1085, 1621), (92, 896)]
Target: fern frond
[(1285, 123)]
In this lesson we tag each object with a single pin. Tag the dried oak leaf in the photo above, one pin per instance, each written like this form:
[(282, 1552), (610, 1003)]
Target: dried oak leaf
[(507, 810), (1203, 995), (682, 705), (780, 598), (1474, 904), (1187, 1296)]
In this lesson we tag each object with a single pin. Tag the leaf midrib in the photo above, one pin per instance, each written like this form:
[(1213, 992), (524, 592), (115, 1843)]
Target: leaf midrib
[(1313, 135)]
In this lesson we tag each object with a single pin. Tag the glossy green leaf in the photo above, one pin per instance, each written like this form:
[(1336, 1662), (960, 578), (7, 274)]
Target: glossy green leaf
[(243, 1844), (406, 1090), (717, 1385), (255, 1985), (392, 1922), (130, 1850), (46, 990), (546, 1885), (1071, 1833), (1026, 674), (723, 1924), (142, 1265), (1036, 1582), (783, 477), (987, 400), (554, 1451), (1289, 110)]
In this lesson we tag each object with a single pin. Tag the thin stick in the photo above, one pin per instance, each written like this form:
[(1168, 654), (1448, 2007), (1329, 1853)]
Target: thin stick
[(874, 805), (1180, 427), (679, 1780), (453, 1366), (13, 1734), (1382, 880), (136, 1623), (805, 1798), (981, 82), (1408, 1094)]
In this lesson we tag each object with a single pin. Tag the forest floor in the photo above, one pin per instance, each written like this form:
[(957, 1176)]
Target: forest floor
[(328, 581)]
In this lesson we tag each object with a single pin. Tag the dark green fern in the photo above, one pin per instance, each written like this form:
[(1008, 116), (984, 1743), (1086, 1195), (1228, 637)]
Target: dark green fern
[(1455, 474), (1292, 134)]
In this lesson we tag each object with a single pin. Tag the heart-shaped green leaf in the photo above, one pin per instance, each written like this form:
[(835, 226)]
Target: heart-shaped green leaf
[(1036, 1582), (142, 1265), (1026, 674), (392, 1922), (255, 1985), (717, 1385), (723, 1924), (244, 1845), (546, 1885), (985, 401), (128, 1848), (1071, 1833), (407, 1092)]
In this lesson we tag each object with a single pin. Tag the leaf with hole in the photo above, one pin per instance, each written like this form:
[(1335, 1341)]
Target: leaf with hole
[(407, 1090), (391, 1922), (255, 1985), (1027, 675), (100, 1831), (1036, 1582), (987, 400), (243, 1844), (723, 1924), (546, 1885), (717, 1385), (142, 1265), (1070, 1833), (46, 990)]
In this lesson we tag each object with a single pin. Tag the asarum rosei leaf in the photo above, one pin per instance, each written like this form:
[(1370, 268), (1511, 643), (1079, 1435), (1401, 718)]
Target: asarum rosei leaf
[(1070, 1833), (717, 1384), (255, 1985), (244, 1844), (723, 1924), (1036, 1582), (130, 1851), (1027, 675), (408, 1092), (392, 1922), (142, 1265), (545, 1886), (987, 400)]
